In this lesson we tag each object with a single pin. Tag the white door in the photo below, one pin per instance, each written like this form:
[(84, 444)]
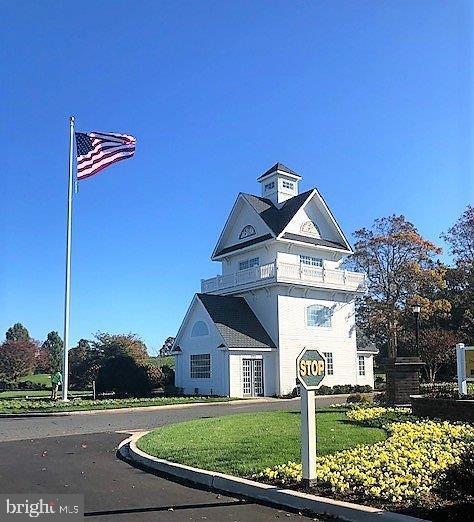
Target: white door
[(252, 371)]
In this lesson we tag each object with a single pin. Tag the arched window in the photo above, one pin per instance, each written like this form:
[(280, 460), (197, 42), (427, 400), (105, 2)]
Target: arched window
[(247, 231), (318, 315), (309, 228), (199, 329)]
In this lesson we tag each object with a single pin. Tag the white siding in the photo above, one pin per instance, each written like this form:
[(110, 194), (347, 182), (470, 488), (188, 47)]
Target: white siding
[(243, 215), (294, 335), (294, 257), (313, 212), (368, 378), (236, 377), (266, 254), (218, 384)]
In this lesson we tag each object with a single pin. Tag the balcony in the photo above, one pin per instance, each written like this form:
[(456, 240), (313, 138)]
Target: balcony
[(279, 272)]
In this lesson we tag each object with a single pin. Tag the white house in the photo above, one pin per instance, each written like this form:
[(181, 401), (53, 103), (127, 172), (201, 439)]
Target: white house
[(281, 289)]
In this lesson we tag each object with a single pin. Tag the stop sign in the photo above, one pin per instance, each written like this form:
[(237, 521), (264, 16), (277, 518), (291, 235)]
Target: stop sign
[(310, 368)]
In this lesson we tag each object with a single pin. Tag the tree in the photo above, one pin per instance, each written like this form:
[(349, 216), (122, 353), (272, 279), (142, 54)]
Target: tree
[(436, 350), (113, 345), (84, 364), (54, 346), (460, 237), (17, 358), (460, 278), (17, 332), (42, 361), (401, 269), (167, 346), (127, 377)]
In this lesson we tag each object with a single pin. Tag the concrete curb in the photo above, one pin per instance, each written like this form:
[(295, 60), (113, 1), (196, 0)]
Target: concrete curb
[(256, 490), (146, 408)]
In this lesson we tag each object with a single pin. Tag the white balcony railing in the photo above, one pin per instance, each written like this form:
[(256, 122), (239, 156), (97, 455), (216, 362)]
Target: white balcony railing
[(287, 273)]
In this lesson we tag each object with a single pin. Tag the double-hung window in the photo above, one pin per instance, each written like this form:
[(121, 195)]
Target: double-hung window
[(249, 263), (200, 366), (329, 363), (311, 261), (361, 360), (318, 315)]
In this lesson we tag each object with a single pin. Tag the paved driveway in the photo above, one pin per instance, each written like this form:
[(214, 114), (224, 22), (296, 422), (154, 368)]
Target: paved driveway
[(77, 454)]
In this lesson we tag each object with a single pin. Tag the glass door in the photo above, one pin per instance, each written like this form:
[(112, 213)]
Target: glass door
[(252, 372)]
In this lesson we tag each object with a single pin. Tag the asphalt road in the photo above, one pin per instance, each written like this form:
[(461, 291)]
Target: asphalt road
[(37, 427), (77, 454)]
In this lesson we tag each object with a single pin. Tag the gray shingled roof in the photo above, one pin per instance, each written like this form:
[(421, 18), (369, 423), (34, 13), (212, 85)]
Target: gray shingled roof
[(364, 344), (277, 218), (238, 246), (281, 168), (236, 322), (313, 240)]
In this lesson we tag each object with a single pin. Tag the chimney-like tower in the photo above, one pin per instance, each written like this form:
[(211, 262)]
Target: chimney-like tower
[(279, 183)]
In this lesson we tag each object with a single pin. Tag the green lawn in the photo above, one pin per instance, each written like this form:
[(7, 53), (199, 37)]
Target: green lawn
[(161, 361), (37, 378), (248, 443), (21, 394)]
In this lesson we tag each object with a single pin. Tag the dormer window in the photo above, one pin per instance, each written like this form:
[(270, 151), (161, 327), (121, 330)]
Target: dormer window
[(269, 186), (247, 231), (310, 229)]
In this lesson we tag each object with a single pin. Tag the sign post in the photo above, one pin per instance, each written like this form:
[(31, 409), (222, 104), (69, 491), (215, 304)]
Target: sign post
[(465, 366), (310, 370)]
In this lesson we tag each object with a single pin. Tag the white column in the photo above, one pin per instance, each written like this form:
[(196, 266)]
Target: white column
[(308, 437), (461, 368)]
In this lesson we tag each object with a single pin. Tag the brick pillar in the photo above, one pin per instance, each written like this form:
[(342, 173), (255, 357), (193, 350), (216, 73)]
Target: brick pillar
[(403, 379)]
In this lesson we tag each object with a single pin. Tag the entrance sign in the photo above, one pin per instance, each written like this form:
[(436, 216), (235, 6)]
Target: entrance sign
[(465, 366), (310, 371)]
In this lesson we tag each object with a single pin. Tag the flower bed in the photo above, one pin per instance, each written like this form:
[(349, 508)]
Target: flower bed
[(13, 406), (403, 468)]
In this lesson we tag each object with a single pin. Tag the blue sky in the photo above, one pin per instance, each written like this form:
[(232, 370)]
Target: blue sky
[(370, 101)]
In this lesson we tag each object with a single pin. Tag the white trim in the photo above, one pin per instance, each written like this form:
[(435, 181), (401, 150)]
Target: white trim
[(243, 249), (186, 318), (241, 349), (313, 246), (331, 217), (302, 206), (240, 197)]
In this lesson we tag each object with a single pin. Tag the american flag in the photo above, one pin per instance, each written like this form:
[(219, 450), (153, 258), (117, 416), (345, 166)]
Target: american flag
[(98, 150)]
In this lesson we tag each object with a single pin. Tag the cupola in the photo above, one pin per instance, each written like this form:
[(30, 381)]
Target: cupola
[(279, 183)]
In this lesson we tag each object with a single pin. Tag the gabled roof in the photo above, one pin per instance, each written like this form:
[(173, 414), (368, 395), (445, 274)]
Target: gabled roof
[(278, 167), (236, 321), (277, 218)]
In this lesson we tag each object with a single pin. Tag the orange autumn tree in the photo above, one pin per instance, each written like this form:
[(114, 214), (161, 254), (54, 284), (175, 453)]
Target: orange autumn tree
[(401, 269)]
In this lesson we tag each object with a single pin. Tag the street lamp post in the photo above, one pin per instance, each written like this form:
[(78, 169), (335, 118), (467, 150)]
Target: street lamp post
[(416, 311)]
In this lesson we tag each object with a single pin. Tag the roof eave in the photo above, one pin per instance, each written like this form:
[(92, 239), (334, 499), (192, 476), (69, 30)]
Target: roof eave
[(316, 247), (218, 257)]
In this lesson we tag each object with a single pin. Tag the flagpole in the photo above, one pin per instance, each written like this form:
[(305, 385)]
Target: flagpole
[(67, 289)]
